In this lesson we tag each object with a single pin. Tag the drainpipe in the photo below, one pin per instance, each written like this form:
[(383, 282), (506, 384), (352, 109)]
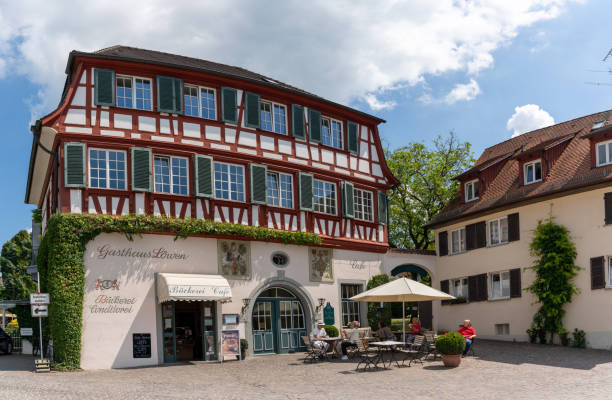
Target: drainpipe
[(36, 132)]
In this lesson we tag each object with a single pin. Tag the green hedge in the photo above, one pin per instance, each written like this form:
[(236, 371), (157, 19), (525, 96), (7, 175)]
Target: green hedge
[(331, 330), (60, 262)]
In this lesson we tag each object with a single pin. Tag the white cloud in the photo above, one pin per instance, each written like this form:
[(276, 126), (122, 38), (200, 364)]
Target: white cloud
[(528, 118), (344, 50), (463, 92)]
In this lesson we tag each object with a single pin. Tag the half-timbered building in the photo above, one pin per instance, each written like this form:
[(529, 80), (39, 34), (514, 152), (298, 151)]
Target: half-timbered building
[(145, 132)]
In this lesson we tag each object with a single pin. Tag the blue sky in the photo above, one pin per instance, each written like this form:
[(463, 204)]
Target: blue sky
[(540, 58)]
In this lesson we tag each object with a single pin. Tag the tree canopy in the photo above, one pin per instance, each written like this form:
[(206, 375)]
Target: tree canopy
[(14, 259), (426, 186)]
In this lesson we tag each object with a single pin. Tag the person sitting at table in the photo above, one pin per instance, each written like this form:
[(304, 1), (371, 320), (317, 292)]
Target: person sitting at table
[(415, 329), (468, 333), (317, 333), (352, 336), (384, 333)]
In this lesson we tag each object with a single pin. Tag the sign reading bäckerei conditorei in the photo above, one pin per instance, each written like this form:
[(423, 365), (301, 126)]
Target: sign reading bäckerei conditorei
[(159, 253)]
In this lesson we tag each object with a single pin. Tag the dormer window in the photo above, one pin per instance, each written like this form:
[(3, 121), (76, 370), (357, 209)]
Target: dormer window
[(598, 125), (604, 153), (533, 172), (471, 190)]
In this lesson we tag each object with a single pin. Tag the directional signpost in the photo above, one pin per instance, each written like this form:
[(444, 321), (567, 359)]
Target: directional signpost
[(39, 303)]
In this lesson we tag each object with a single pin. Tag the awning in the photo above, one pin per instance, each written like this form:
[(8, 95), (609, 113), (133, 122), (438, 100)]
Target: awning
[(192, 287)]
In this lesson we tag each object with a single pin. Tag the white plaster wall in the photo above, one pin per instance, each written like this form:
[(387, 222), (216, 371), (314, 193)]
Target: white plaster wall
[(107, 337), (583, 215)]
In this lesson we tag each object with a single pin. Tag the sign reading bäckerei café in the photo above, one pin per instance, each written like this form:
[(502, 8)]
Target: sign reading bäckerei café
[(160, 253), (199, 291)]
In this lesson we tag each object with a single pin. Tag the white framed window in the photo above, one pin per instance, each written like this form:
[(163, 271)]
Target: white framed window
[(280, 190), (362, 200), (107, 169), (500, 285), (170, 175), (533, 172), (351, 310), (331, 132), (502, 329), (273, 117), (459, 287), (324, 197), (229, 181), (604, 153), (200, 102), (498, 231), (458, 241), (471, 190), (134, 92)]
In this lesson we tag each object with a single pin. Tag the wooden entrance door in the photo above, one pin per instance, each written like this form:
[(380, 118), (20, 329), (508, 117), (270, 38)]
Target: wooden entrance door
[(263, 331), (292, 326)]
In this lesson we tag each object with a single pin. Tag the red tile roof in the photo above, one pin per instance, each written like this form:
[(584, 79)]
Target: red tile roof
[(571, 171)]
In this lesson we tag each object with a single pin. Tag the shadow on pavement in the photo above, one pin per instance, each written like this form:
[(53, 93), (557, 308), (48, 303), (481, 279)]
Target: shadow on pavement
[(16, 362)]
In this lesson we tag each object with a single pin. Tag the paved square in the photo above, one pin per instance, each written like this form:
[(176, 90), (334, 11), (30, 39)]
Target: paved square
[(499, 370)]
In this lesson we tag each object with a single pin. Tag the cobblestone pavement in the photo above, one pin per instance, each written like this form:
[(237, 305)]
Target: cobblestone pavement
[(499, 371)]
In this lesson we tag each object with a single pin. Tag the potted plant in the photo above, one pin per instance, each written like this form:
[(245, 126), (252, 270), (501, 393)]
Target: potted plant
[(244, 346), (451, 346)]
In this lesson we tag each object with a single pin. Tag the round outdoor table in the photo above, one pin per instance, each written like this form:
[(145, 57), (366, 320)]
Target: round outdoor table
[(390, 345), (332, 343)]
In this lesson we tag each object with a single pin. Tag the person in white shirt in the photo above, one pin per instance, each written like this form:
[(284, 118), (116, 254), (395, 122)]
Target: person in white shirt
[(352, 336), (317, 333)]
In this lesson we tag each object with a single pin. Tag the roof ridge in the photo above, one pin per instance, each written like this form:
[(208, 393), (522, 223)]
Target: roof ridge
[(547, 127)]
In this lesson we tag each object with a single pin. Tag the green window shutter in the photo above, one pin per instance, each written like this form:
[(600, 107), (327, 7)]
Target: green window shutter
[(348, 201), (228, 105), (314, 125), (251, 114), (104, 90), (165, 94), (178, 96), (203, 176), (382, 208), (259, 192), (297, 122), (352, 136), (142, 178), (306, 181), (74, 165)]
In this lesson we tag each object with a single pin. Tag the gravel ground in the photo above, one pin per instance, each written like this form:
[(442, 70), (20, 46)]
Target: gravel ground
[(499, 370)]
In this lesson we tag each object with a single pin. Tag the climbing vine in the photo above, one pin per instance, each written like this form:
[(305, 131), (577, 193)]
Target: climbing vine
[(60, 262), (555, 268)]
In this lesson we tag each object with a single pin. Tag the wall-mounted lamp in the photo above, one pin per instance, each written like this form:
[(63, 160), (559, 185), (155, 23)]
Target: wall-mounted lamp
[(245, 305), (321, 302)]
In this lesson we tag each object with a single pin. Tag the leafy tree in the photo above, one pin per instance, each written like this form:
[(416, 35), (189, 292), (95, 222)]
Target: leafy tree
[(14, 259), (426, 186), (555, 268), (376, 313)]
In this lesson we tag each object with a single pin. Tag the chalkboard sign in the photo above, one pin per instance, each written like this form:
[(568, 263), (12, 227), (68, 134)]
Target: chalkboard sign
[(141, 345), (328, 314)]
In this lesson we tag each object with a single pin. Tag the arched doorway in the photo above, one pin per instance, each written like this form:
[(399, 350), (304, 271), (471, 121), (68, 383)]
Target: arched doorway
[(422, 309), (278, 322)]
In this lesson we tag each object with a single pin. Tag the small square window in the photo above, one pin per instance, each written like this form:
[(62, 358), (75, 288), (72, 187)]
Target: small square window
[(533, 172)]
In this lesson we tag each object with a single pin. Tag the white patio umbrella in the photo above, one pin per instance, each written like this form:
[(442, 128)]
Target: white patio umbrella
[(402, 289)]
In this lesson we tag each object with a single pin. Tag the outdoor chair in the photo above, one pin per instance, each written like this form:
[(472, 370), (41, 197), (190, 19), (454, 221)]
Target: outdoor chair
[(415, 351), (367, 357), (471, 351), (313, 353), (431, 345)]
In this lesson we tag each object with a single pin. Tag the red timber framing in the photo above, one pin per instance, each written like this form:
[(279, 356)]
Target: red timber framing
[(77, 119)]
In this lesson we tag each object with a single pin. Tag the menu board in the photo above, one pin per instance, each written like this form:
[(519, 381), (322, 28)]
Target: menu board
[(230, 343), (141, 343)]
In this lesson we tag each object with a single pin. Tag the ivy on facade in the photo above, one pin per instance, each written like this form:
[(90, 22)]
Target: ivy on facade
[(60, 262), (555, 268)]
